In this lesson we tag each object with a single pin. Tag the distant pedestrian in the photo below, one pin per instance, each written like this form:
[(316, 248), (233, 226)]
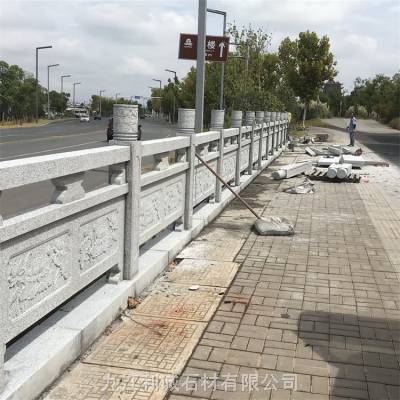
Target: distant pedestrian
[(352, 129)]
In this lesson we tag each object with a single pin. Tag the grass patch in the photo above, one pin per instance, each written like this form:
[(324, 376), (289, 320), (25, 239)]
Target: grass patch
[(13, 124), (297, 127)]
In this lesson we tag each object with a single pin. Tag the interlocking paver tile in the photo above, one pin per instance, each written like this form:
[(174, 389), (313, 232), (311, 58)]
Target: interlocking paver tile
[(203, 272), (107, 383), (148, 343), (177, 301)]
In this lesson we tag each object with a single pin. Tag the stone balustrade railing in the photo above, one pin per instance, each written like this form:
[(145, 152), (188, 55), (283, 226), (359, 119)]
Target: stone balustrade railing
[(50, 253)]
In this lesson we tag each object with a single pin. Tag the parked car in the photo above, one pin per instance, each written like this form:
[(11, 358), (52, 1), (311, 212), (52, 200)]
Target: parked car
[(110, 130), (84, 118)]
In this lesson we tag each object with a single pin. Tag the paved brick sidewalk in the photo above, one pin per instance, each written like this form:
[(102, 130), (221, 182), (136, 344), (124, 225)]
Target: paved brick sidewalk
[(321, 306)]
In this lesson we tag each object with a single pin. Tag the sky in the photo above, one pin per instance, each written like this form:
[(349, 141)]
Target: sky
[(120, 46)]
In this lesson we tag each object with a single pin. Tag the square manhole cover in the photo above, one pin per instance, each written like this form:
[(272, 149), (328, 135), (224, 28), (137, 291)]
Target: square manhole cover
[(177, 301), (87, 381), (204, 272), (148, 343)]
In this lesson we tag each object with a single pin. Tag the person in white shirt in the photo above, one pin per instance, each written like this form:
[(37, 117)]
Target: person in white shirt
[(352, 129)]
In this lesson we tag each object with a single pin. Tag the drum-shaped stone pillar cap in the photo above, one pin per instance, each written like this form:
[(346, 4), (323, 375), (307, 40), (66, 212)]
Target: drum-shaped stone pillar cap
[(125, 122), (186, 120), (217, 119)]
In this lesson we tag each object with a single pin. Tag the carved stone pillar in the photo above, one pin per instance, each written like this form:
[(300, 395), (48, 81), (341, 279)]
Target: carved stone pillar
[(249, 117), (236, 119), (259, 117), (186, 119), (68, 188), (186, 122), (125, 123), (217, 119)]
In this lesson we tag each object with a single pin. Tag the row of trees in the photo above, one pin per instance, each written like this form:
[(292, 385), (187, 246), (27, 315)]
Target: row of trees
[(107, 104), (256, 79), (17, 95)]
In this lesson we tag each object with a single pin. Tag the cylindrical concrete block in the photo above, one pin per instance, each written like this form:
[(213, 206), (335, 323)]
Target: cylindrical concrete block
[(217, 119), (186, 118), (343, 171), (332, 171), (273, 116), (236, 119), (259, 117), (249, 117), (125, 122)]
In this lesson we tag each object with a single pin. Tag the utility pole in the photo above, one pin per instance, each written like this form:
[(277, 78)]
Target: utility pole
[(62, 92), (37, 80), (221, 97), (73, 96), (173, 72), (101, 91), (201, 50), (48, 88)]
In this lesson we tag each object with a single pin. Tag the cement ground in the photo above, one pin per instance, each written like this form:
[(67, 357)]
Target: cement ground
[(313, 316)]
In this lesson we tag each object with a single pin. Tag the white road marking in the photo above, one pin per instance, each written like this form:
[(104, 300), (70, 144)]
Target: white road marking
[(50, 150)]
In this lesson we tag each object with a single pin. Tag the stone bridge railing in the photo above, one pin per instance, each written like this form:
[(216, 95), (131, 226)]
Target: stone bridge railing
[(50, 253)]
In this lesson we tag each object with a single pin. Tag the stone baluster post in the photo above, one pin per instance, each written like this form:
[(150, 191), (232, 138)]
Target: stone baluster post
[(125, 125), (286, 128), (273, 116), (250, 120), (237, 123), (186, 121), (217, 124), (260, 121), (267, 119), (279, 134)]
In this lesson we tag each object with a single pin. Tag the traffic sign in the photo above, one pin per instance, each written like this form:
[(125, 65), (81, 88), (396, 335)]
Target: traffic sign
[(216, 47)]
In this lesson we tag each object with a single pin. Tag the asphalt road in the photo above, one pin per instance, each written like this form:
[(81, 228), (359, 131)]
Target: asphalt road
[(59, 137), (68, 135), (379, 138)]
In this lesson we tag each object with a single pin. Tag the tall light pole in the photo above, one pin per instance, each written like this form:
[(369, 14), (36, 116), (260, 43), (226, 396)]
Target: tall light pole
[(62, 91), (159, 80), (48, 87), (201, 54), (173, 72), (37, 80), (116, 96), (221, 99), (73, 96), (101, 91)]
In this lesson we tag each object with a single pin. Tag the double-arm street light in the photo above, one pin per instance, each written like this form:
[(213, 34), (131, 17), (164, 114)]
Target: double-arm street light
[(62, 91), (173, 72), (159, 80), (101, 91), (48, 87), (37, 80), (73, 95)]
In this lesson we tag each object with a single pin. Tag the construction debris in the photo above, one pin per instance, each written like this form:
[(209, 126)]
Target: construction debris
[(337, 151), (318, 152), (322, 137), (319, 174), (340, 171), (274, 226), (194, 287), (305, 187), (133, 302), (310, 152), (327, 161), (290, 170), (352, 150), (355, 161)]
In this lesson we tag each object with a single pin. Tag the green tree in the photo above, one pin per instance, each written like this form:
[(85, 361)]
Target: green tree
[(306, 64)]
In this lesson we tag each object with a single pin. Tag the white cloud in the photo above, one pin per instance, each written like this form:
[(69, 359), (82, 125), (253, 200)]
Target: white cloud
[(121, 45)]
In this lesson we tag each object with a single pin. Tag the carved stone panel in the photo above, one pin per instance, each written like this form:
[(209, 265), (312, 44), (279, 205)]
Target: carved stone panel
[(204, 182), (255, 151), (229, 166), (98, 239), (244, 157), (36, 273), (161, 204)]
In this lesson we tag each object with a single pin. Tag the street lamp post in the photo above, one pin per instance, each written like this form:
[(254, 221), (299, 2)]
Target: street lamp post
[(73, 95), (221, 100), (37, 79), (48, 87), (116, 96), (62, 92), (101, 91), (173, 72), (159, 80)]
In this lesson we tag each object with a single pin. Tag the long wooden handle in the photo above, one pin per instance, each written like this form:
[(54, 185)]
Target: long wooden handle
[(244, 202)]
